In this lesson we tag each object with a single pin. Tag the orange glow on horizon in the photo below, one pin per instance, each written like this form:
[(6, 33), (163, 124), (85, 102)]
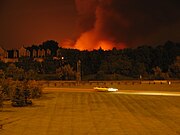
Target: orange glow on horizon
[(103, 44), (90, 41)]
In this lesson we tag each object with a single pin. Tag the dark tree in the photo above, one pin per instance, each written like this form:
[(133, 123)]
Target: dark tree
[(52, 45)]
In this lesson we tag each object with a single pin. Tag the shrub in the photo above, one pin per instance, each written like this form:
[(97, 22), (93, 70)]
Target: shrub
[(19, 92), (24, 91), (18, 99), (34, 89), (6, 86)]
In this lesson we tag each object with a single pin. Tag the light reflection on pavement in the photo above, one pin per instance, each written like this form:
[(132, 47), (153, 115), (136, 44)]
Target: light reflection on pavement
[(153, 93), (130, 92)]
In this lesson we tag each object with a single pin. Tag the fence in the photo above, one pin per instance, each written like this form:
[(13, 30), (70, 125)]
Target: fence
[(102, 83)]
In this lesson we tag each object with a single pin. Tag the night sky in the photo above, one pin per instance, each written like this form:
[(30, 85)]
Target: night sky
[(89, 24)]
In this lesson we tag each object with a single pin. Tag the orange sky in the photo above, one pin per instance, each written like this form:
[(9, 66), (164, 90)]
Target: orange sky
[(88, 24), (30, 22)]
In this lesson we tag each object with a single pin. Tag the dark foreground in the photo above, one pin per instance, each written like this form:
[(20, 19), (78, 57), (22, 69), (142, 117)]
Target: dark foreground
[(94, 113)]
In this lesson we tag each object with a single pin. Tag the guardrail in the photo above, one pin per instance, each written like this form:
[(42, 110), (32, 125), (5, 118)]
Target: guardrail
[(103, 83)]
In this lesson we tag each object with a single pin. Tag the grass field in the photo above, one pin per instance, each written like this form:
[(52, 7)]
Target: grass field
[(93, 113)]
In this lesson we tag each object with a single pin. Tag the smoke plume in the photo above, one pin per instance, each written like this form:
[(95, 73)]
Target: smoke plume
[(126, 23)]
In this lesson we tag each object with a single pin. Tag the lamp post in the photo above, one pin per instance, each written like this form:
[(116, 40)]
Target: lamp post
[(78, 74)]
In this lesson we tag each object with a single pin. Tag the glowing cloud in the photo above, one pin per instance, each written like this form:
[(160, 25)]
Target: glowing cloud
[(97, 34), (126, 23)]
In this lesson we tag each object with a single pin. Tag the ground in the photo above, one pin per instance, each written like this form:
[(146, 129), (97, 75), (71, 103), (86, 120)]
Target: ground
[(63, 112)]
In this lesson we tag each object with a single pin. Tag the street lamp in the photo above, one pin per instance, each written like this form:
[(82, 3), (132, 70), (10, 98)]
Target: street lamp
[(78, 74)]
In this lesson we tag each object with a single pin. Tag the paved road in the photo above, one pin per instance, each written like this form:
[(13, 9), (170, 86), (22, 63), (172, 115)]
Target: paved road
[(132, 92)]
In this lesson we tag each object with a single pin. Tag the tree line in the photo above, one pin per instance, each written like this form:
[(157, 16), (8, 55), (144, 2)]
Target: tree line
[(143, 62)]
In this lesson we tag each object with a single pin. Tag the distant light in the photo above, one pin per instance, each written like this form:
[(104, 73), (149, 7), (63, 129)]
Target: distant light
[(105, 89), (112, 89)]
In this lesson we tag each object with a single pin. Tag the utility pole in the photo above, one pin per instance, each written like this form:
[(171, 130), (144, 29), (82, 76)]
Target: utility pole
[(78, 74)]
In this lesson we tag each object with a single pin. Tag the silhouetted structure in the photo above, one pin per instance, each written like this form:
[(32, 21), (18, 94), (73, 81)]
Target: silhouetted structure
[(37, 53)]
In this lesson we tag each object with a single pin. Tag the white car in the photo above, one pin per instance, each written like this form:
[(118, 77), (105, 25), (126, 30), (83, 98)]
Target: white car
[(105, 89)]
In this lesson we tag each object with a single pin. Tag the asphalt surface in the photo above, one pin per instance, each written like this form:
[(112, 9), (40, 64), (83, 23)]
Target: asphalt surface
[(131, 92), (74, 111)]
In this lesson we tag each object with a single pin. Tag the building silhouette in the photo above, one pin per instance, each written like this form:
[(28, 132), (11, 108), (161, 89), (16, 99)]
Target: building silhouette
[(37, 54)]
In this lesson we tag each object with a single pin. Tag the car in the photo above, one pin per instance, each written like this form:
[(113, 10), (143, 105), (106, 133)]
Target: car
[(105, 89)]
